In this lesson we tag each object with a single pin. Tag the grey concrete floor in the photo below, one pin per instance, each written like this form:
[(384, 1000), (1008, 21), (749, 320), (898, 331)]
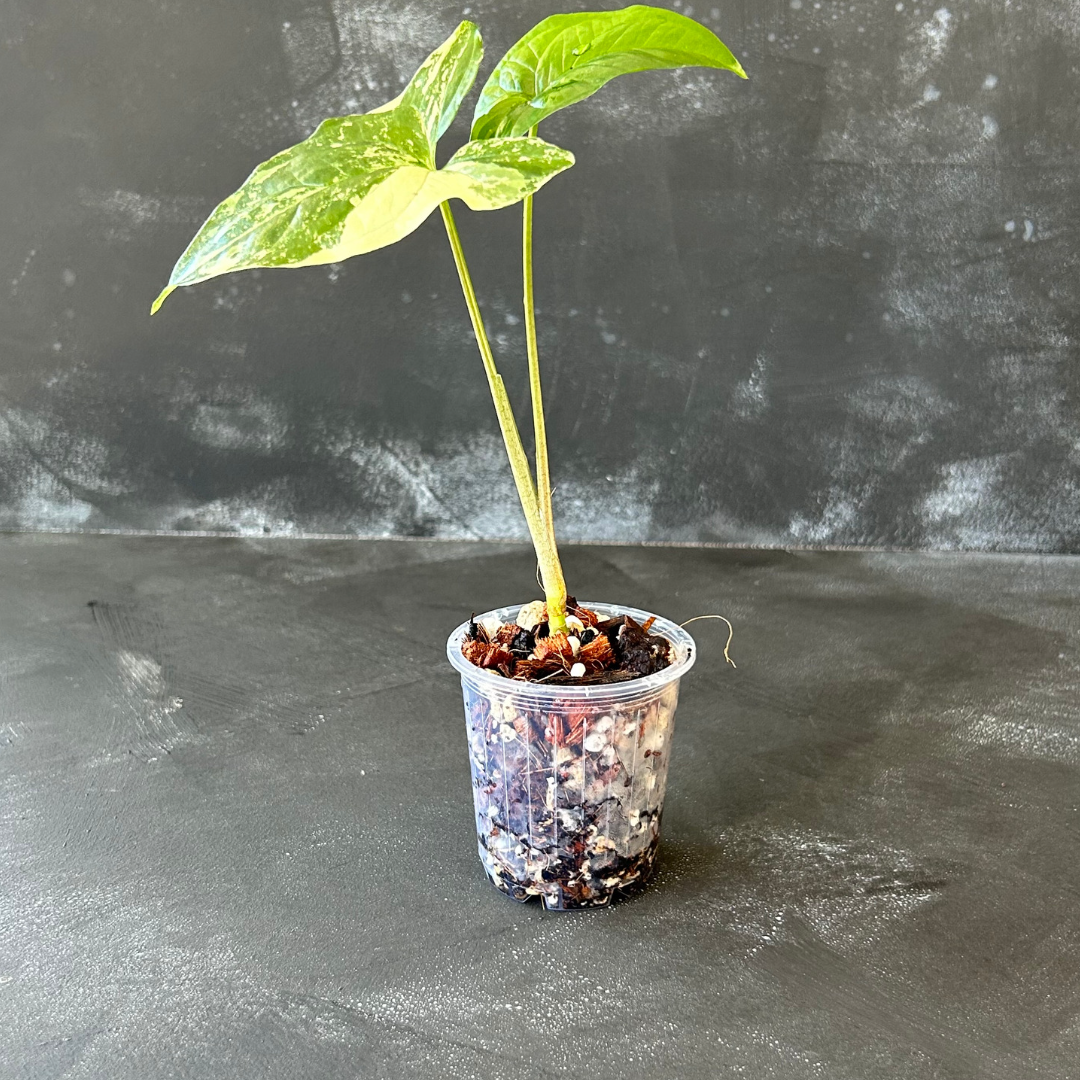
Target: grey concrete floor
[(235, 822)]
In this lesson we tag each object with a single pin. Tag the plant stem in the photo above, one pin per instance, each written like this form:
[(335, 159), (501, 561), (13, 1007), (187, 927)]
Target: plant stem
[(550, 569), (555, 589)]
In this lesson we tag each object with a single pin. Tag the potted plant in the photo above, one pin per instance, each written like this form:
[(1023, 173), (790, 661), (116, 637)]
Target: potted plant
[(569, 706)]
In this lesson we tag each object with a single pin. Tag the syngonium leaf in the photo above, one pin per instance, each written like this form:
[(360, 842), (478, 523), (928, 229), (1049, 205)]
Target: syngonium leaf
[(566, 58), (363, 182)]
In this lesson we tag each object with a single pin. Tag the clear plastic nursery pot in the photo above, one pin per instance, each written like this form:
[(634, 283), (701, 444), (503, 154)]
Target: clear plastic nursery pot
[(568, 782)]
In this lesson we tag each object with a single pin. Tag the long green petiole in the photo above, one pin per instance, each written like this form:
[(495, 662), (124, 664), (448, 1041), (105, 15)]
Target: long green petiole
[(550, 569), (556, 595)]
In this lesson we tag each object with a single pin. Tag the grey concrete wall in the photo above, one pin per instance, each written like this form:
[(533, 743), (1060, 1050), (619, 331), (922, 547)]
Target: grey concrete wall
[(836, 304)]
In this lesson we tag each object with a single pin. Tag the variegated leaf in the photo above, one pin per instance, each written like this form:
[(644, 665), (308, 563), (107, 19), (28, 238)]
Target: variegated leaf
[(358, 184), (501, 172), (364, 182)]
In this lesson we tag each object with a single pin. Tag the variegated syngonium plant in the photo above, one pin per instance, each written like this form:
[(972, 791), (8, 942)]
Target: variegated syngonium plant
[(366, 181)]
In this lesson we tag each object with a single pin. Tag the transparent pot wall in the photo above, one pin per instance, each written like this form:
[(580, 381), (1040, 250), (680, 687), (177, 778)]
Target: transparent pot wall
[(568, 783)]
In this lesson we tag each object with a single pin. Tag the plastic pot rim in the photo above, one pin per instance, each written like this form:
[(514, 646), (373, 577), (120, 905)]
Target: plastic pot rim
[(681, 641)]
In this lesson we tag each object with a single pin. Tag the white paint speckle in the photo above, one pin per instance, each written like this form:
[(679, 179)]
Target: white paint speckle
[(1029, 229), (927, 45), (964, 511), (938, 27), (989, 127), (931, 93), (17, 280), (839, 517), (990, 82), (141, 674), (790, 868), (1024, 737), (124, 213), (1010, 226), (750, 397)]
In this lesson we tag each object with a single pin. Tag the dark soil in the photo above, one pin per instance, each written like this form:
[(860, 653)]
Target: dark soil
[(608, 651)]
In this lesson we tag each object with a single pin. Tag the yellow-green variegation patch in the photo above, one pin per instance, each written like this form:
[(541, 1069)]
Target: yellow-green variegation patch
[(363, 182)]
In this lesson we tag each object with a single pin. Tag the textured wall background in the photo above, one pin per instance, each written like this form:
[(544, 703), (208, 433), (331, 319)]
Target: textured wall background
[(836, 304)]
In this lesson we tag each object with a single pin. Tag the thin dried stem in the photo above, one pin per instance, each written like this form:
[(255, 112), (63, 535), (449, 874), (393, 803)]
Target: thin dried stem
[(731, 633)]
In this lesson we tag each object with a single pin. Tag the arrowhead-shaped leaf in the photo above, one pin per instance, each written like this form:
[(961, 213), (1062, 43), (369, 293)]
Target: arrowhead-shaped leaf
[(364, 182), (566, 58)]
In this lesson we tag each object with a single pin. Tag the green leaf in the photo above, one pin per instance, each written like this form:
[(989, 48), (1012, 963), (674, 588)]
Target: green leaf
[(567, 58), (363, 182)]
